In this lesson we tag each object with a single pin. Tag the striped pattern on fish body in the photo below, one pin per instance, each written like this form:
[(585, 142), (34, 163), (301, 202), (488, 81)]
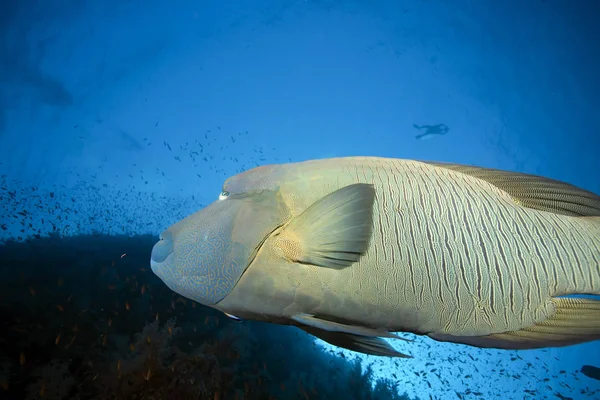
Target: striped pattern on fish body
[(353, 249), (450, 253)]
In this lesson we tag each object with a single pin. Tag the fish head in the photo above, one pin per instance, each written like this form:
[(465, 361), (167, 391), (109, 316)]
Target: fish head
[(203, 256)]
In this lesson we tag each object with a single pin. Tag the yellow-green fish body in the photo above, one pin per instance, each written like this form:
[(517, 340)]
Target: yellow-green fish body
[(351, 249)]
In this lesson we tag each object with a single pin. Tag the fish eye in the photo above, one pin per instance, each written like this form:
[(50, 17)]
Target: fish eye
[(224, 194)]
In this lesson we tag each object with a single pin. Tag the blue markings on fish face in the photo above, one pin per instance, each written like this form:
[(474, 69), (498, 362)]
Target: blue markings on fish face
[(197, 258), (203, 256)]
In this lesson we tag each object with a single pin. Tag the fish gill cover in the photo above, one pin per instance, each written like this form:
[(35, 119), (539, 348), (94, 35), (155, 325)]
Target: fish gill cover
[(119, 118)]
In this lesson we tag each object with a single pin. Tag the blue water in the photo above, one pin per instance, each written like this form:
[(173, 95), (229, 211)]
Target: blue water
[(128, 115)]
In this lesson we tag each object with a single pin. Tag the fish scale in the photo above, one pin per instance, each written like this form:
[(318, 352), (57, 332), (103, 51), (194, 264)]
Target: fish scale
[(415, 264), (352, 249)]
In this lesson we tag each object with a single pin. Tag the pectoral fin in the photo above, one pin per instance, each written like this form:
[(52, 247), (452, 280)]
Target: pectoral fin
[(368, 345), (334, 232), (330, 326), (536, 192), (574, 321)]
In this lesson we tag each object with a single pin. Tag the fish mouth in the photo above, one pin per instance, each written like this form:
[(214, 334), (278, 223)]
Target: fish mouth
[(161, 251)]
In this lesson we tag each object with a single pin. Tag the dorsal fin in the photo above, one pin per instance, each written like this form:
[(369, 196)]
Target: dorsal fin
[(535, 191)]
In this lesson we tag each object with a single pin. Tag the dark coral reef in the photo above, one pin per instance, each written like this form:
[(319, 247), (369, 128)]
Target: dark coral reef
[(85, 318)]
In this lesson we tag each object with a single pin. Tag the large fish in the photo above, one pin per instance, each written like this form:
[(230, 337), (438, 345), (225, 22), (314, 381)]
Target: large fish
[(353, 249)]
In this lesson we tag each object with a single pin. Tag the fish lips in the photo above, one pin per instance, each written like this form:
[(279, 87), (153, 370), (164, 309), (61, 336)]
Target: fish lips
[(163, 263), (198, 258), (163, 255)]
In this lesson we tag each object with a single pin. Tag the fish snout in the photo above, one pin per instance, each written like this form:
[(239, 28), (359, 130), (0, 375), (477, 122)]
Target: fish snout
[(161, 251)]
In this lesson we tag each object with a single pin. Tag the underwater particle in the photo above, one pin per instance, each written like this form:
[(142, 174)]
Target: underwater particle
[(43, 388), (71, 342)]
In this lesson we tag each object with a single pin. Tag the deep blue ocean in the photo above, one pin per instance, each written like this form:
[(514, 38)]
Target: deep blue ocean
[(119, 118)]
